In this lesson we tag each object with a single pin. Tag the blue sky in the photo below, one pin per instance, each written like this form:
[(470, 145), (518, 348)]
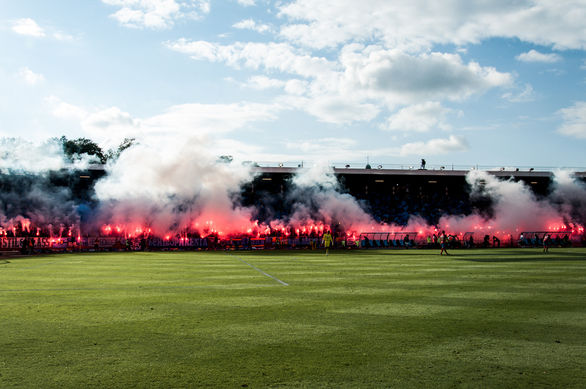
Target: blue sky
[(499, 83)]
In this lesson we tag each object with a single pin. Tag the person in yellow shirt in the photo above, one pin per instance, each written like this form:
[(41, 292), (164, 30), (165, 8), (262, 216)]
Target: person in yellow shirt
[(327, 240)]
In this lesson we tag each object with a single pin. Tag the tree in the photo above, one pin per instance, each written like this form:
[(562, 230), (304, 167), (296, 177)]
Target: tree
[(115, 154), (74, 148), (225, 158)]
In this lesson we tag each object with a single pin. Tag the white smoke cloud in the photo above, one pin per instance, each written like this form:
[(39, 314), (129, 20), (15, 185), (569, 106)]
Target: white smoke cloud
[(570, 195), (515, 208), (178, 184), (173, 185), (317, 199), (29, 196), (18, 155)]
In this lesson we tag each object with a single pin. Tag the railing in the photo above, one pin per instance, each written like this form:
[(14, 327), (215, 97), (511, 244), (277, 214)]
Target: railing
[(417, 166)]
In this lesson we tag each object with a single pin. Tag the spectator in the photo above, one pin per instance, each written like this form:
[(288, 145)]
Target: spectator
[(496, 242)]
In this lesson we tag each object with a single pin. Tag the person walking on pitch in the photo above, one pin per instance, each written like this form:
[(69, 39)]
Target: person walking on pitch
[(443, 241)]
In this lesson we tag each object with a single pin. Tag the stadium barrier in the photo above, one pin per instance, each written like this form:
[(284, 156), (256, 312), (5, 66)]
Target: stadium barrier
[(558, 238), (390, 239), (366, 240)]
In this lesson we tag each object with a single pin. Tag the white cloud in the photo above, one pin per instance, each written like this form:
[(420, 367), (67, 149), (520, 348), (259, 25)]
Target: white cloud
[(339, 149), (312, 150), (110, 125), (574, 120), (421, 23), (332, 148), (30, 77), (107, 122), (419, 118), (156, 14), (29, 27), (191, 119), (64, 110), (522, 96), (370, 69), (403, 78), (320, 146), (107, 126), (296, 87), (196, 49), (249, 24), (270, 56), (263, 82), (292, 86), (536, 56), (435, 146), (61, 36), (361, 82), (337, 109), (246, 3)]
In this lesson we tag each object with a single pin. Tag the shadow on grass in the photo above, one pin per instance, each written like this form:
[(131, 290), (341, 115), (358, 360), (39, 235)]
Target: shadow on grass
[(535, 255)]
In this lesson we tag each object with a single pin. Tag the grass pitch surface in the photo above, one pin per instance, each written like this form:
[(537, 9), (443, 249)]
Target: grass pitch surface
[(481, 318)]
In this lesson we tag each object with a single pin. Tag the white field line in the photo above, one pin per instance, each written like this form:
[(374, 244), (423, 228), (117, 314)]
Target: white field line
[(260, 271)]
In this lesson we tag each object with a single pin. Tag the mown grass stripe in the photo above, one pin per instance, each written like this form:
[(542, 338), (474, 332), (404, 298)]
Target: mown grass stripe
[(356, 319), (260, 271)]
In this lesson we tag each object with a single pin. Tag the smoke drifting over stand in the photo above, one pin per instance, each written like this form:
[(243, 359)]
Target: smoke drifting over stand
[(179, 188), (35, 182), (514, 208), (317, 202), (172, 188)]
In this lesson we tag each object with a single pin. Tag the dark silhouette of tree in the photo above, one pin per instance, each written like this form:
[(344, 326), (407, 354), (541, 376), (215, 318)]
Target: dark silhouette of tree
[(115, 154), (225, 158), (74, 148)]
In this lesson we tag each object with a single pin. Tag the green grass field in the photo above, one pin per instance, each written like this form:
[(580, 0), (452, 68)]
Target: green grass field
[(483, 318)]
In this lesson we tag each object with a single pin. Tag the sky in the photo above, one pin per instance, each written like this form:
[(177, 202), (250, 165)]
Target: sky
[(459, 83)]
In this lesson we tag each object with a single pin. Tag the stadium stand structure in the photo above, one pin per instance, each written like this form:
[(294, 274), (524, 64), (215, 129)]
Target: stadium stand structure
[(388, 195)]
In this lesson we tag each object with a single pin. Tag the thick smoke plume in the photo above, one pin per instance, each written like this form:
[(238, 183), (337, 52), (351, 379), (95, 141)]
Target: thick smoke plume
[(570, 196), (317, 201), (174, 187), (178, 186), (21, 156), (34, 192), (514, 208)]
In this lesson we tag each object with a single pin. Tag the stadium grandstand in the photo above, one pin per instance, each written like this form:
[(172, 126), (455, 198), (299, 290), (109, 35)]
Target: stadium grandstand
[(391, 196)]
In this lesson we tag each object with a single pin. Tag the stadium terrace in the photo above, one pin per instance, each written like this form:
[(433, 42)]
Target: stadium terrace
[(280, 207)]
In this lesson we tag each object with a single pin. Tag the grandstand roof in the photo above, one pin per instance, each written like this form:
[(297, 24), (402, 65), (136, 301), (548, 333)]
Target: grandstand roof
[(418, 172), (505, 173)]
